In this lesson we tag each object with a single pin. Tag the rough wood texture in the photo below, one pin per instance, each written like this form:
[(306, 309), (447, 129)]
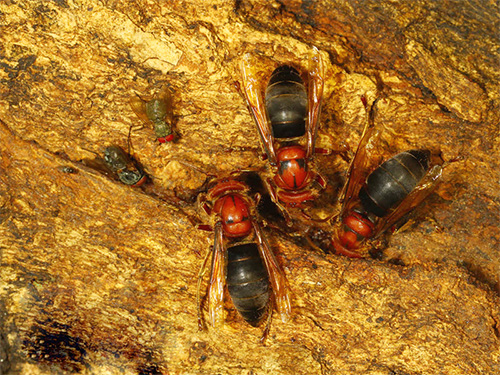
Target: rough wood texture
[(100, 278)]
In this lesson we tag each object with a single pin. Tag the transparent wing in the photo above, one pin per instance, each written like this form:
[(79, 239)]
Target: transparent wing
[(167, 97), (217, 279), (256, 106), (139, 107), (362, 163), (412, 200), (315, 94), (276, 275)]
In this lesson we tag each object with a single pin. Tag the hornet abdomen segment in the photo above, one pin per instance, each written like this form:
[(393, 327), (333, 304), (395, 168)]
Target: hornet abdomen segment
[(393, 180), (286, 102), (248, 282)]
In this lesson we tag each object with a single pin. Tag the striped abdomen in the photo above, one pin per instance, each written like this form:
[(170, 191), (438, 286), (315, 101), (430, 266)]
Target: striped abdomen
[(393, 180), (248, 282), (286, 103), (156, 110)]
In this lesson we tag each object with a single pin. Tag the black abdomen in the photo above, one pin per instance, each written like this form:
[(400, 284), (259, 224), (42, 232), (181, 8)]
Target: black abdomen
[(393, 180), (248, 282), (286, 103)]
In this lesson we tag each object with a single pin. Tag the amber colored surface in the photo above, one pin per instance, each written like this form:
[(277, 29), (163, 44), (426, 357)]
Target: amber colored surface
[(100, 278)]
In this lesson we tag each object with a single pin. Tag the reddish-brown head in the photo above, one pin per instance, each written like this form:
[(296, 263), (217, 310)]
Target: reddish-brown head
[(224, 186), (293, 173), (295, 198)]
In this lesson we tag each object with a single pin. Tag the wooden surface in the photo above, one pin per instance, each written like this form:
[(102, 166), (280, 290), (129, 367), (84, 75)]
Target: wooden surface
[(100, 278)]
